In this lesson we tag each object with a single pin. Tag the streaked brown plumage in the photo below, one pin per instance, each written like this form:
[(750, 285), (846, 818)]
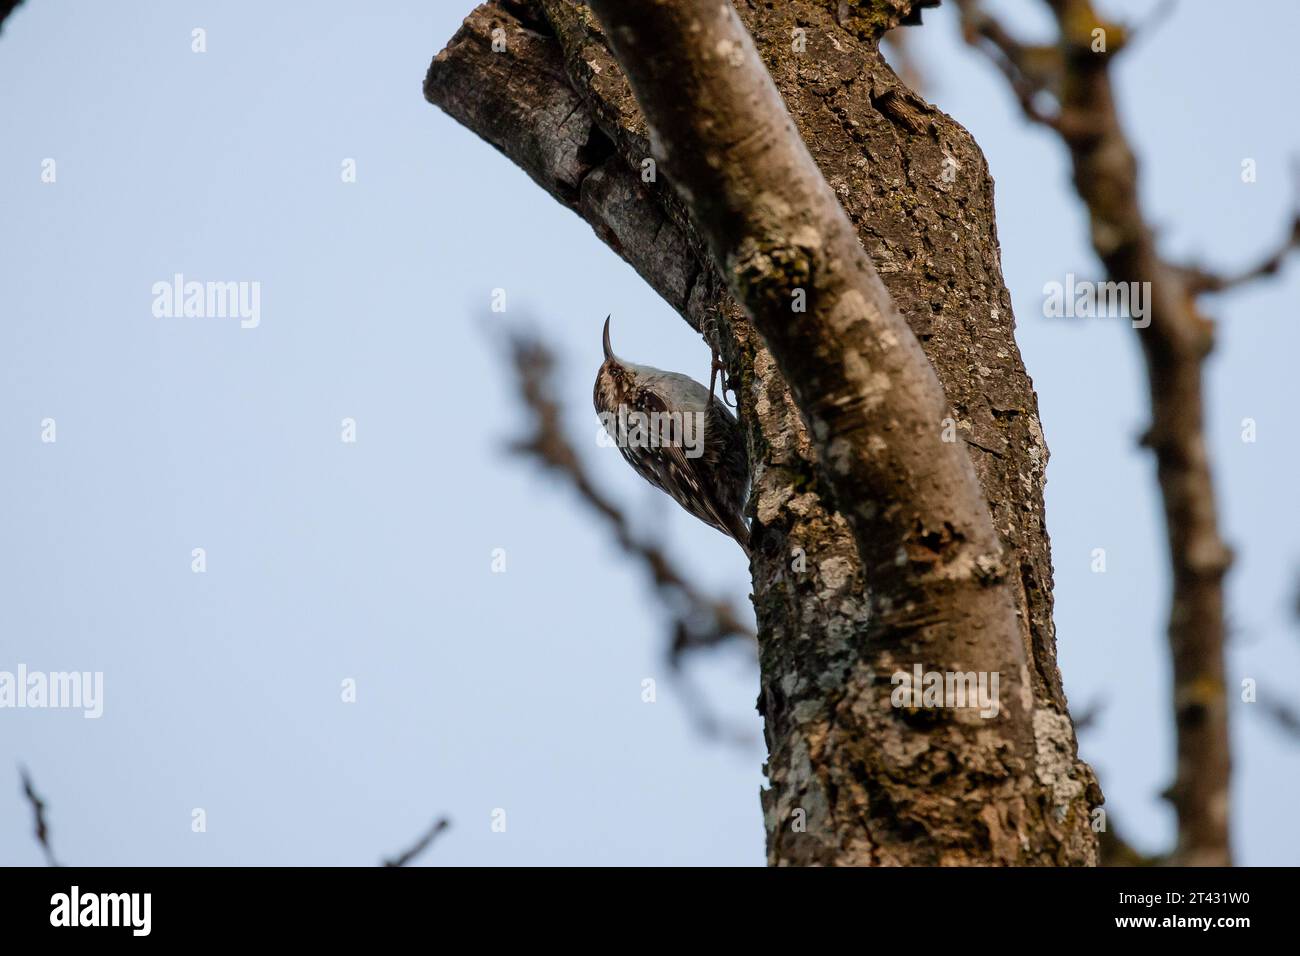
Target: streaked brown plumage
[(679, 437)]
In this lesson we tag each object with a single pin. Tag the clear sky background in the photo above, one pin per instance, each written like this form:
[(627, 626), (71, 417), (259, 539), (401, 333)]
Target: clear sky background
[(371, 561)]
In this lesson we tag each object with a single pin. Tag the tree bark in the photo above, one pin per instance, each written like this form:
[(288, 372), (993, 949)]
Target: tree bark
[(852, 779)]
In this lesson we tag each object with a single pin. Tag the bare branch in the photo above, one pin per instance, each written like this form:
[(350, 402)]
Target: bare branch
[(1088, 717), (420, 845), (1201, 280), (1283, 716), (1148, 27), (42, 829), (7, 7), (984, 31), (1174, 345)]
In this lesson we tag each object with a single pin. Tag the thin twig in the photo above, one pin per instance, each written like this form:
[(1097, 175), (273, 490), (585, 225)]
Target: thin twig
[(1089, 716), (1283, 716), (1200, 279), (7, 7), (38, 809), (1148, 27), (981, 29), (421, 844)]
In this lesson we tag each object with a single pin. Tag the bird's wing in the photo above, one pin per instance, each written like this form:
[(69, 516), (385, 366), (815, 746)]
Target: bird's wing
[(668, 467), (731, 457)]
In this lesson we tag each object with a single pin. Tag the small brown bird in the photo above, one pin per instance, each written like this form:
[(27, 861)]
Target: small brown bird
[(679, 437)]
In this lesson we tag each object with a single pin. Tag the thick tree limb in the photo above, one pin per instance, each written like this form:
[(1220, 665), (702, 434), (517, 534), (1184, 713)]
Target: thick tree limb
[(864, 777), (781, 239)]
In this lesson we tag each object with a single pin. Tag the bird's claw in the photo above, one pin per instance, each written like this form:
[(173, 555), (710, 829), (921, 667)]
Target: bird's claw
[(717, 366)]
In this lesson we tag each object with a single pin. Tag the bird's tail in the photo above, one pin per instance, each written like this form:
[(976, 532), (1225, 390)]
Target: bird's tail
[(740, 532)]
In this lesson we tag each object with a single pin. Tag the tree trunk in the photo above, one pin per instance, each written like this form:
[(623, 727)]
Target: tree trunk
[(853, 780)]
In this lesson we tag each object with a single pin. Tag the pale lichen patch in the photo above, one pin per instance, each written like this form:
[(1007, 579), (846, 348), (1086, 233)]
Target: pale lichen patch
[(804, 505), (771, 500), (835, 573), (1054, 751)]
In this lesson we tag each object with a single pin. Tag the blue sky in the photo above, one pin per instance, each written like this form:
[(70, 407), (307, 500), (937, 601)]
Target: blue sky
[(370, 561)]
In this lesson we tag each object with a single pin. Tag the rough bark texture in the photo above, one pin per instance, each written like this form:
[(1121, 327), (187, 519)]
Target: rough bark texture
[(1174, 345), (875, 784)]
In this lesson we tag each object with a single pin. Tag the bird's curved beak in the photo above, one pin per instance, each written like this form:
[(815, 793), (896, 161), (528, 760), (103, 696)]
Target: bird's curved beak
[(609, 349)]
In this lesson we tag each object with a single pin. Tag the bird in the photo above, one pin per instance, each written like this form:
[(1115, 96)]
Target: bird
[(679, 437)]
